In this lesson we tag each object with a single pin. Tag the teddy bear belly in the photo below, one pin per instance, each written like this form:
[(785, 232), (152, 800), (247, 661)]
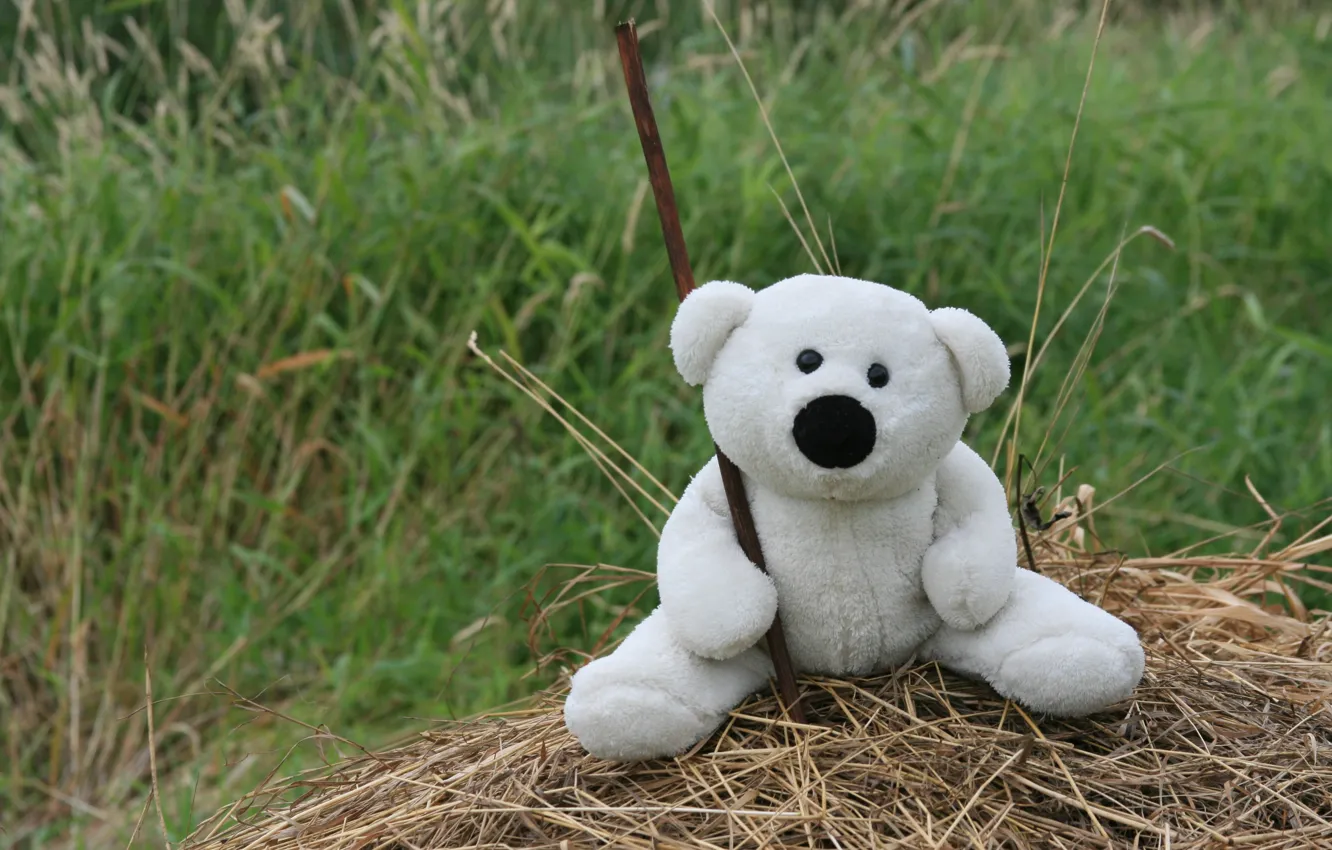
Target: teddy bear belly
[(853, 633), (849, 589)]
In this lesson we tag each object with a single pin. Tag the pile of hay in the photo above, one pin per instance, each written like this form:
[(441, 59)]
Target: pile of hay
[(1228, 742)]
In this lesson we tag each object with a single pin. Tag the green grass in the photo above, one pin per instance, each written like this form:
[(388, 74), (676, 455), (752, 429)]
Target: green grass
[(371, 194)]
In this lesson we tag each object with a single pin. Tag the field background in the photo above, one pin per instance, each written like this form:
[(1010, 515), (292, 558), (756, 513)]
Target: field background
[(243, 245)]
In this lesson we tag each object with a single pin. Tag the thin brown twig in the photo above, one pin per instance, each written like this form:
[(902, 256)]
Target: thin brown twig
[(659, 176), (1022, 523)]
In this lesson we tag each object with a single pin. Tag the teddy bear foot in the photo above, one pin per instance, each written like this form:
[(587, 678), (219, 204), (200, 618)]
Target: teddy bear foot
[(652, 698), (1069, 676), (1048, 650), (628, 722)]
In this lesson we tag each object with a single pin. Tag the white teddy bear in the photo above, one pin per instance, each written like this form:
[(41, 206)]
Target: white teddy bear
[(842, 402)]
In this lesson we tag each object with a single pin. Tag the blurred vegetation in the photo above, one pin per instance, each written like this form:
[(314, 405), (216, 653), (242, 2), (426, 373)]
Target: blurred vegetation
[(243, 244)]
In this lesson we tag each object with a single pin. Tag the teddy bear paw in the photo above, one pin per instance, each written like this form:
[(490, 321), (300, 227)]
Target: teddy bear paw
[(633, 722)]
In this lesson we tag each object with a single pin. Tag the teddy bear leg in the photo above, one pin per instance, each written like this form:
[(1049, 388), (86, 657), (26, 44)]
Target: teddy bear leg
[(651, 698), (1048, 650)]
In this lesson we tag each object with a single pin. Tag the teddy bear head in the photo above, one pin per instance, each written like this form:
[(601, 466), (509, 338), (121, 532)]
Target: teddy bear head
[(827, 387)]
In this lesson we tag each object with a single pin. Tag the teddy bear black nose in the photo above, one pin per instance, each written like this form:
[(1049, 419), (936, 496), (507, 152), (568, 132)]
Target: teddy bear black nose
[(834, 431)]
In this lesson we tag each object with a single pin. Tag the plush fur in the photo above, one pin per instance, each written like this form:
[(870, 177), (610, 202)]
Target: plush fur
[(886, 538)]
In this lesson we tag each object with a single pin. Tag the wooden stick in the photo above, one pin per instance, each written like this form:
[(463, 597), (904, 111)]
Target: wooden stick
[(658, 174)]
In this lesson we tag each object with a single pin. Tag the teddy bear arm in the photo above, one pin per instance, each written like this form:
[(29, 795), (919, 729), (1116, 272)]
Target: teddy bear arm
[(969, 570), (716, 602)]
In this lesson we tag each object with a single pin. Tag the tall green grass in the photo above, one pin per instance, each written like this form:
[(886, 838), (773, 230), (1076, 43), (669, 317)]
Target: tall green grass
[(241, 254)]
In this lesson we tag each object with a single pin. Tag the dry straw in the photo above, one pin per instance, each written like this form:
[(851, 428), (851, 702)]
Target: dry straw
[(1227, 742)]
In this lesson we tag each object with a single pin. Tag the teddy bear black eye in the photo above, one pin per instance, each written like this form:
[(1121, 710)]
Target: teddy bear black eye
[(878, 376), (808, 360)]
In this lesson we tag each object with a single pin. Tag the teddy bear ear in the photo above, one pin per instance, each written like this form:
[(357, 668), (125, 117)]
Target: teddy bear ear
[(704, 322), (978, 353)]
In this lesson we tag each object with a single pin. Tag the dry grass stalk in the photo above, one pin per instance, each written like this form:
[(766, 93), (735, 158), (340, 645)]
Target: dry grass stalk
[(1227, 742)]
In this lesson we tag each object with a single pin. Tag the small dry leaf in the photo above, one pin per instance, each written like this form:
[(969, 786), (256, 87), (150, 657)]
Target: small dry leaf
[(293, 201), (251, 385), (162, 410), (297, 362), (1158, 235)]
